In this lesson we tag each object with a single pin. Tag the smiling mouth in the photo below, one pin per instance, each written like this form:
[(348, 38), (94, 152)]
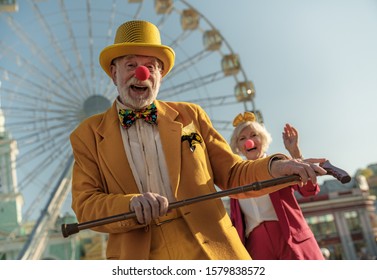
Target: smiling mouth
[(249, 150), (138, 88)]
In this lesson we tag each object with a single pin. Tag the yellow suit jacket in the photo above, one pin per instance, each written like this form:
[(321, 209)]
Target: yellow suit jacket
[(103, 183)]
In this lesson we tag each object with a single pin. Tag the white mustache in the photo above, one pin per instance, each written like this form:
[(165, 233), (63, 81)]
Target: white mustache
[(136, 82)]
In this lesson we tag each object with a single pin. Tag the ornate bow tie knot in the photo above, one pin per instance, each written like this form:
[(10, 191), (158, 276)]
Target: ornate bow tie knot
[(128, 117)]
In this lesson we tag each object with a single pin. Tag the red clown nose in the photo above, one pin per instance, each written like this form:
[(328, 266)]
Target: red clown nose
[(249, 144), (142, 73)]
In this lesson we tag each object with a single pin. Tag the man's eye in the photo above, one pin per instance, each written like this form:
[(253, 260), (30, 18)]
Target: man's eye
[(151, 68), (130, 65)]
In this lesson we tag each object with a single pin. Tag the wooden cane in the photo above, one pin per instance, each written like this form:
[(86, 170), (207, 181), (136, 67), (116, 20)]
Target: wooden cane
[(339, 174)]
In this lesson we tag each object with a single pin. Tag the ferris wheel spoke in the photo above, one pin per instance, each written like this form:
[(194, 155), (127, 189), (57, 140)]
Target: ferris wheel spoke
[(33, 179), (138, 10), (54, 160), (110, 92), (182, 66), (45, 137), (72, 38), (222, 125), (216, 101), (33, 113), (30, 103), (103, 87), (57, 48), (44, 151), (163, 18), (90, 42), (182, 88), (177, 41), (47, 85), (37, 51), (47, 188), (24, 126)]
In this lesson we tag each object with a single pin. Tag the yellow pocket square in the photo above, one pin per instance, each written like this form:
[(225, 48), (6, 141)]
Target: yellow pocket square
[(188, 129), (189, 133)]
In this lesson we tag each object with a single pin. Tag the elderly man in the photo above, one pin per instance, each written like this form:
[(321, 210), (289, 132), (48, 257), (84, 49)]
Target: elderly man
[(143, 153)]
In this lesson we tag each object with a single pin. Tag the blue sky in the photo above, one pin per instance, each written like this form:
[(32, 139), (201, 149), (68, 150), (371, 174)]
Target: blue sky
[(313, 64)]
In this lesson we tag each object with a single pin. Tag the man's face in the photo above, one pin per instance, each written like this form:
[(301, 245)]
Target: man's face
[(132, 92)]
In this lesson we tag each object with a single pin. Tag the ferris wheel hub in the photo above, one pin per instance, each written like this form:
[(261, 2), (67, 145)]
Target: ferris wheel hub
[(95, 104)]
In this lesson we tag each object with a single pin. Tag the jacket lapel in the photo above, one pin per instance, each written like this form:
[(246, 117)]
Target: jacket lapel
[(170, 134)]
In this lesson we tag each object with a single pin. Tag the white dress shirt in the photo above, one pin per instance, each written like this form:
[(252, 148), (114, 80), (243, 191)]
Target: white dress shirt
[(144, 151)]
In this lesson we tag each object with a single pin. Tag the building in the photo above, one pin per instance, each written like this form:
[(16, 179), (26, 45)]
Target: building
[(343, 219), (16, 234)]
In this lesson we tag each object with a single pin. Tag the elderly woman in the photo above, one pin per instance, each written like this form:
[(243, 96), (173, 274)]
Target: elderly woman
[(272, 226)]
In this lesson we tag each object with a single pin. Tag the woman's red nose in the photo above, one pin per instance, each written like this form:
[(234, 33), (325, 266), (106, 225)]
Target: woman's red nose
[(249, 144)]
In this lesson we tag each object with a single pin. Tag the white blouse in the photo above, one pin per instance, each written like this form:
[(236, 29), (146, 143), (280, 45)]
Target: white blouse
[(257, 210)]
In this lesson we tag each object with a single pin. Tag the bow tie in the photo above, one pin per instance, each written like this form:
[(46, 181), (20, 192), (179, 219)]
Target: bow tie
[(128, 117)]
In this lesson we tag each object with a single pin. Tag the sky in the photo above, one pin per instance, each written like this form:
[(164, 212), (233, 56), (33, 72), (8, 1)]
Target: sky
[(313, 65)]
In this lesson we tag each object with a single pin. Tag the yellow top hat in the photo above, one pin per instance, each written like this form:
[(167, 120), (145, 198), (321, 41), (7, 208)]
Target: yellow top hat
[(137, 37)]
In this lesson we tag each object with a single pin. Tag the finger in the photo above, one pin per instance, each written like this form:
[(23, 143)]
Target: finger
[(155, 207), (164, 205), (301, 171), (311, 173), (315, 160), (294, 131), (312, 170), (286, 131), (154, 203), (137, 207), (318, 169), (146, 211), (288, 128)]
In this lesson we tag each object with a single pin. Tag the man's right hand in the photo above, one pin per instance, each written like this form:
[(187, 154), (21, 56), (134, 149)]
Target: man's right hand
[(149, 206), (307, 169)]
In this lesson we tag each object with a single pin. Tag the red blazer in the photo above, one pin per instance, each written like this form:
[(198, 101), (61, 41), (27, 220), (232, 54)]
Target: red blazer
[(291, 219)]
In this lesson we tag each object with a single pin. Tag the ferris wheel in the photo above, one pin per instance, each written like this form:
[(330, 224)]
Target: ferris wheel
[(51, 79)]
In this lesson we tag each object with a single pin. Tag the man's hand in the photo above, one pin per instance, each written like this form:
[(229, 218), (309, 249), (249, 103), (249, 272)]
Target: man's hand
[(306, 169), (149, 206)]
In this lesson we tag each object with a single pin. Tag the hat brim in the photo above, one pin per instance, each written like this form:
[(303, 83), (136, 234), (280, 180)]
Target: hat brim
[(163, 53)]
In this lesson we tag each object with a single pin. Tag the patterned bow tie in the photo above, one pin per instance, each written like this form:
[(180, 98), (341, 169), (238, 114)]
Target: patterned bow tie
[(128, 117)]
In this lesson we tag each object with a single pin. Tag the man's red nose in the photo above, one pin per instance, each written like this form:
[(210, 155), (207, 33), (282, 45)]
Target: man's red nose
[(142, 73)]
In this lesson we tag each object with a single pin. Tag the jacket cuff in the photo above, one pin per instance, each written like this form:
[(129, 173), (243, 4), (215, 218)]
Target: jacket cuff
[(273, 158)]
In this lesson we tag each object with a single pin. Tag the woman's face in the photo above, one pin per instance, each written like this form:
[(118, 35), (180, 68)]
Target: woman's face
[(256, 151)]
